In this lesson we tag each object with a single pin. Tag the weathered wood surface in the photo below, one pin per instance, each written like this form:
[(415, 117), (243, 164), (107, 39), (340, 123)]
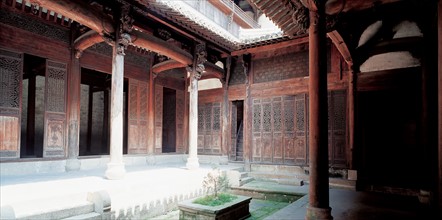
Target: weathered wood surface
[(137, 109)]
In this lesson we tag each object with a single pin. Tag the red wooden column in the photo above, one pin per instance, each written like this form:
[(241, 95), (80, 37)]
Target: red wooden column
[(151, 112), (439, 29), (318, 140), (225, 132), (74, 80), (72, 162)]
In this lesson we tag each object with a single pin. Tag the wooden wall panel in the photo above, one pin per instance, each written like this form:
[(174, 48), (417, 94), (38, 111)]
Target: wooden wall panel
[(209, 128), (11, 71), (279, 130), (137, 138), (180, 121), (158, 118), (233, 130), (19, 40), (54, 144)]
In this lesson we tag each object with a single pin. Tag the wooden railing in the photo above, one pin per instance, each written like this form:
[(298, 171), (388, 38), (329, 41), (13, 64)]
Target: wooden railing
[(240, 14)]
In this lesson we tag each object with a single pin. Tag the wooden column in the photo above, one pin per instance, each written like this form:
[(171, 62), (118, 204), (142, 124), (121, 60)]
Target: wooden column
[(351, 116), (151, 112), (115, 168), (318, 140), (72, 162), (74, 96), (248, 116), (196, 71), (439, 29), (225, 131)]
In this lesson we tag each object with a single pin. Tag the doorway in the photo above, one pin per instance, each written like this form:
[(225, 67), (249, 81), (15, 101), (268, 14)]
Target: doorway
[(33, 106), (169, 120), (237, 131), (95, 113)]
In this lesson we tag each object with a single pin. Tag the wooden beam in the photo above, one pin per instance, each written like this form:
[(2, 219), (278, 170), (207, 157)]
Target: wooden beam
[(166, 65), (79, 12), (340, 44), (268, 47), (337, 6), (85, 41), (157, 45)]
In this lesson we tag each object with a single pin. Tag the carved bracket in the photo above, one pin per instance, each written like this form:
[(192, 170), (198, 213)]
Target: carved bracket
[(125, 27)]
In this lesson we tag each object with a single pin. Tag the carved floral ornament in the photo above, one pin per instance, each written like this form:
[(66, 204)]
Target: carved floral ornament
[(125, 27), (201, 58), (300, 15)]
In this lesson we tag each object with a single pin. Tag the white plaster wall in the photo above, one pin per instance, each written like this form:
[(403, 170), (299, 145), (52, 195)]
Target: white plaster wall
[(387, 61), (209, 84), (407, 29)]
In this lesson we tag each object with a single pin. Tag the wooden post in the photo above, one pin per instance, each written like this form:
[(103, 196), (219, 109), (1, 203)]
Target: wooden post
[(74, 96), (196, 71), (439, 29), (151, 112), (225, 130), (115, 168), (318, 140), (248, 116), (351, 116)]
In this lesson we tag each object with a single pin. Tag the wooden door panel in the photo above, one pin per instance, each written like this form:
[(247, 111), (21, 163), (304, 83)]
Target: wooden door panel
[(54, 144), (300, 130), (233, 131), (11, 71), (137, 137), (158, 118), (180, 121)]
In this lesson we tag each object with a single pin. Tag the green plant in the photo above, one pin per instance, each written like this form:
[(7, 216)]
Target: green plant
[(214, 183)]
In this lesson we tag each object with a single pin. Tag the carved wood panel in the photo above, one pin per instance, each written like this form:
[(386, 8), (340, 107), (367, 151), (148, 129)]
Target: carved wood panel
[(180, 121), (55, 110), (158, 118), (137, 138), (300, 130), (279, 130), (209, 128), (11, 67), (337, 128)]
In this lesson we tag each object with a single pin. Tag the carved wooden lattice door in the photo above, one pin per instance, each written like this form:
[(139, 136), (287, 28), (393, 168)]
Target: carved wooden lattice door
[(137, 140), (209, 128), (158, 118), (180, 121), (55, 110), (279, 130), (234, 131), (11, 68), (300, 130), (337, 127)]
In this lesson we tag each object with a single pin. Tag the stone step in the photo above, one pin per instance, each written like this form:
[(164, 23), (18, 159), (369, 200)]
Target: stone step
[(244, 175), (87, 216), (54, 211), (245, 180)]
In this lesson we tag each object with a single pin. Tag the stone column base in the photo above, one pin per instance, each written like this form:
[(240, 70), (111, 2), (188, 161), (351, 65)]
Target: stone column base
[(314, 213), (192, 163), (72, 165), (115, 171)]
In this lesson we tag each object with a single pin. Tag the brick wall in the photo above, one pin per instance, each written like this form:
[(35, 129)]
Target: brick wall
[(281, 67)]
